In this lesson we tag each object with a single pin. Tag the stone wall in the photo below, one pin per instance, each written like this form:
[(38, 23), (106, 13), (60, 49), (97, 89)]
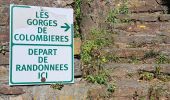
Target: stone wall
[(140, 32), (95, 12), (45, 92), (147, 30)]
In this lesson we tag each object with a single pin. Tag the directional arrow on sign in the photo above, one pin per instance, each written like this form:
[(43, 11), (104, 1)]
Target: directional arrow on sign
[(67, 27)]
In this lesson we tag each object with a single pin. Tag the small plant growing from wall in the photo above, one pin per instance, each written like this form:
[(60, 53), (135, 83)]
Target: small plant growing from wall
[(156, 73), (162, 59), (120, 9), (77, 8), (92, 50), (2, 49), (146, 76), (57, 86), (111, 87), (133, 60), (100, 78), (151, 54), (93, 60), (157, 91)]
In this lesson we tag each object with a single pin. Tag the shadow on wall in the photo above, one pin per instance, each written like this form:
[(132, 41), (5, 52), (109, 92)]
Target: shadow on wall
[(166, 3)]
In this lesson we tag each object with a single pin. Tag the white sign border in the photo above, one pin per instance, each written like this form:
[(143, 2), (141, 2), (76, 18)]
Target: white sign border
[(12, 6)]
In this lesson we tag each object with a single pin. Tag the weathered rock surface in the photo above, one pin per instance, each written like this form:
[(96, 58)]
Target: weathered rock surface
[(164, 17), (148, 27), (138, 6), (77, 46), (6, 90), (125, 52), (127, 88), (135, 68), (77, 68), (4, 59), (77, 91)]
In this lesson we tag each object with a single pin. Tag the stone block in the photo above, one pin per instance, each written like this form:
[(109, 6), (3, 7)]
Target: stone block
[(16, 98), (4, 59), (7, 90), (140, 6), (4, 37), (3, 71), (127, 88), (148, 39), (77, 46), (77, 68), (4, 19), (144, 17), (125, 52), (164, 17)]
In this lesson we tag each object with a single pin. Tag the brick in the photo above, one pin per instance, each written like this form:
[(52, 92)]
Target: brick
[(144, 8), (123, 16), (150, 28), (164, 47), (4, 59), (4, 19), (95, 93), (137, 67), (148, 39), (127, 88), (157, 47), (140, 6), (164, 17), (156, 33), (61, 3), (144, 17), (3, 71), (4, 75), (4, 34), (16, 98), (77, 68), (7, 90), (4, 37), (77, 46), (147, 27), (3, 29), (125, 52), (165, 27)]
